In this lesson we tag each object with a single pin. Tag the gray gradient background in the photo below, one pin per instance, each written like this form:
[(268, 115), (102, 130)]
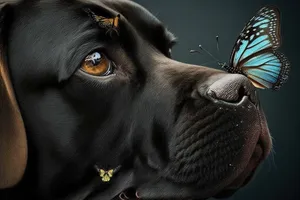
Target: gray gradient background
[(199, 21)]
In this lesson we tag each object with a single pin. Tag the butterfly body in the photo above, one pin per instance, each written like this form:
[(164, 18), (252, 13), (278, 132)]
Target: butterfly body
[(254, 54), (106, 175), (110, 24)]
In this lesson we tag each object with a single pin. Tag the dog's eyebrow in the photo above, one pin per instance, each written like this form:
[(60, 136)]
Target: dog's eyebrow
[(170, 37), (167, 39)]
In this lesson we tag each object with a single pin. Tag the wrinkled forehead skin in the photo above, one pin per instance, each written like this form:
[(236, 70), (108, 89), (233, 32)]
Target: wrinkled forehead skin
[(143, 118), (140, 29)]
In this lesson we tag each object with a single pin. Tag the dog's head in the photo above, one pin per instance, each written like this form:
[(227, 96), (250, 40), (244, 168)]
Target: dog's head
[(87, 96)]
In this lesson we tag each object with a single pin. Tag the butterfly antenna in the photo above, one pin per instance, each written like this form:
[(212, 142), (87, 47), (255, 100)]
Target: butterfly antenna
[(217, 39), (96, 168), (203, 49), (221, 64), (218, 46)]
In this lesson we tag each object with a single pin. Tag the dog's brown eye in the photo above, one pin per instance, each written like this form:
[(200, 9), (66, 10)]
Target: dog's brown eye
[(97, 64)]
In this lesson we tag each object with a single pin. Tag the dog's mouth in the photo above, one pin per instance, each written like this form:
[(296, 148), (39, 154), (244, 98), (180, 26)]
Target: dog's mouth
[(210, 156)]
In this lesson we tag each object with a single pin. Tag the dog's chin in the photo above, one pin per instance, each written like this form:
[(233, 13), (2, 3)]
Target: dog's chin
[(213, 155)]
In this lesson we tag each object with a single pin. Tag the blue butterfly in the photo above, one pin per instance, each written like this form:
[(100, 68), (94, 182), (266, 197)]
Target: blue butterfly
[(254, 54)]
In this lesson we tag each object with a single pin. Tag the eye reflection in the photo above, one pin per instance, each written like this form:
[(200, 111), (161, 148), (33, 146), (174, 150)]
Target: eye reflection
[(97, 64)]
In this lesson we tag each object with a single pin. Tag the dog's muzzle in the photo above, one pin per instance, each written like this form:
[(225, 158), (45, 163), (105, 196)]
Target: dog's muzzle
[(217, 143)]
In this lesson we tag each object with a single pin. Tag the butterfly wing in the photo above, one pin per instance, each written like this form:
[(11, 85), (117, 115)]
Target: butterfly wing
[(255, 50), (106, 175), (267, 70), (110, 172), (108, 22), (105, 22), (116, 21), (105, 178), (102, 173), (262, 32)]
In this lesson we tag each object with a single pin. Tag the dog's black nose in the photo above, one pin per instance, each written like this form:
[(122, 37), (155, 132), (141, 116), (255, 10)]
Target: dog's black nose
[(231, 88)]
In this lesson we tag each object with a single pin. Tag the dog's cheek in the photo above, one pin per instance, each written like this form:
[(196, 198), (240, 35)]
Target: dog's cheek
[(213, 146), (89, 93), (95, 97)]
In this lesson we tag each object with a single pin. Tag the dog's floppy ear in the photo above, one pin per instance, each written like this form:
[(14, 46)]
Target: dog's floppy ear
[(13, 144)]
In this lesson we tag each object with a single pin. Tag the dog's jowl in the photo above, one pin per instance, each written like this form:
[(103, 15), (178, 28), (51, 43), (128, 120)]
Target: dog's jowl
[(90, 113)]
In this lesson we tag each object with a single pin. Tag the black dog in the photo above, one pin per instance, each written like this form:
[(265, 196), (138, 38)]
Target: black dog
[(78, 102)]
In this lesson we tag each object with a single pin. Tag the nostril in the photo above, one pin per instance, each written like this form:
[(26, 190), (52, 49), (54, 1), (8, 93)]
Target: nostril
[(237, 97), (241, 93), (212, 94), (231, 88)]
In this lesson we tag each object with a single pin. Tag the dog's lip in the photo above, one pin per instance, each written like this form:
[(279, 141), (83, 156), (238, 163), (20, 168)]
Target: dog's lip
[(245, 176), (264, 138)]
